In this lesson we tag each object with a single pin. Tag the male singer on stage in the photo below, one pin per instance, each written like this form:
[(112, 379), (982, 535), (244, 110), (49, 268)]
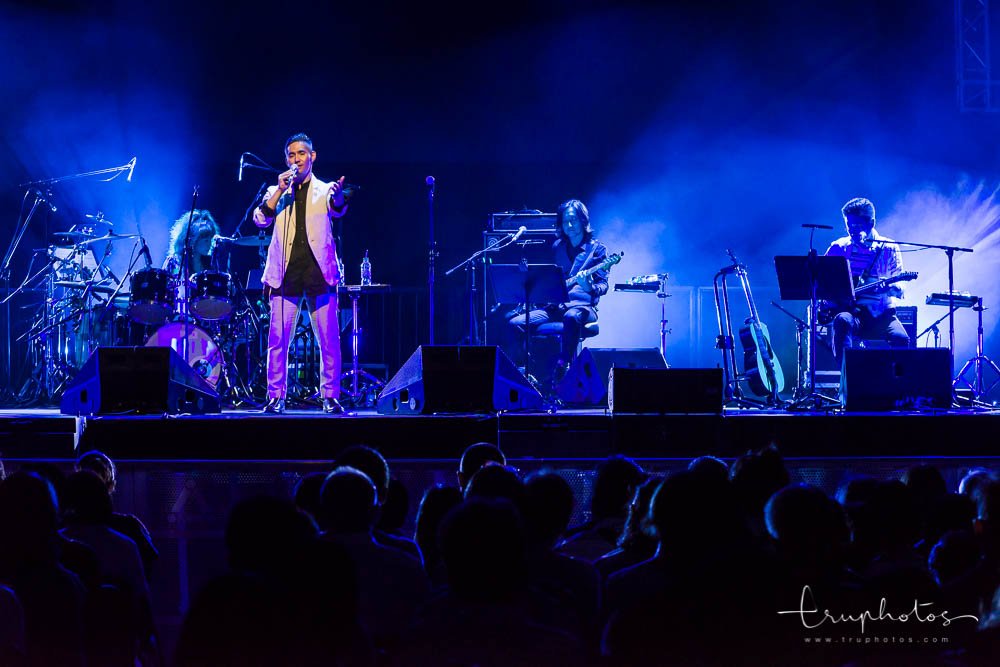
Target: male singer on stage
[(576, 250), (872, 257), (302, 266)]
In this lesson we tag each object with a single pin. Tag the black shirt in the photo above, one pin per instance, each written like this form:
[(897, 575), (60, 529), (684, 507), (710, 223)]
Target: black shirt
[(303, 272)]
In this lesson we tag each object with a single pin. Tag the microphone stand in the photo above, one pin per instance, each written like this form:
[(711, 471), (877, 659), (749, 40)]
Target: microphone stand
[(470, 263), (950, 251), (431, 255), (185, 265)]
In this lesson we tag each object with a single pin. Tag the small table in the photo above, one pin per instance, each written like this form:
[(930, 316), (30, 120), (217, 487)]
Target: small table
[(359, 386)]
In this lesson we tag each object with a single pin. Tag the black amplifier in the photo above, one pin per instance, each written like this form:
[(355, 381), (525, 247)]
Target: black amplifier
[(514, 221), (535, 246)]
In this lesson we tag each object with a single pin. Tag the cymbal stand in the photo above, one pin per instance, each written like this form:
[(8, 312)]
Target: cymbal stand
[(239, 393), (977, 363), (5, 278)]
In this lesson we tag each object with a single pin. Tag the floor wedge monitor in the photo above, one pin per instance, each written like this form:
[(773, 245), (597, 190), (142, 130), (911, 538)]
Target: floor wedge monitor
[(137, 380), (462, 378)]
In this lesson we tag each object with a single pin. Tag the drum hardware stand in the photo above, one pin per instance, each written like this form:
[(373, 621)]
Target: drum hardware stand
[(977, 363)]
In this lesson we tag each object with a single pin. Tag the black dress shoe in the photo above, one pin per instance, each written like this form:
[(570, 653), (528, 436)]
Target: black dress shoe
[(275, 406), (332, 406)]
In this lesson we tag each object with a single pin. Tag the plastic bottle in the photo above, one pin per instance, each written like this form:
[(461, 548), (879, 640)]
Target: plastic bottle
[(366, 270)]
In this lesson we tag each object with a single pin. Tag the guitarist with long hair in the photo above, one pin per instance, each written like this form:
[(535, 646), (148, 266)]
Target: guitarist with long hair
[(872, 258), (578, 253)]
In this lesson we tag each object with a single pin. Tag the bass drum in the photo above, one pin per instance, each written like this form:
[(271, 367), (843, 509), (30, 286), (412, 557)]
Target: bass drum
[(203, 354)]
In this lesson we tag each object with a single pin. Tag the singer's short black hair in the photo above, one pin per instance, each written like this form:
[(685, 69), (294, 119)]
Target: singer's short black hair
[(299, 136), (859, 206)]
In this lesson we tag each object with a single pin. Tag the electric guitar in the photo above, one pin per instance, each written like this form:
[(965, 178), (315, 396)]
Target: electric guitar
[(828, 310), (606, 263)]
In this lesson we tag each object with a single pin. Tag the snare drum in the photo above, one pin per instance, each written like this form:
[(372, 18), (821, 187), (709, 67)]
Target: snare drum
[(203, 354), (211, 295), (152, 298)]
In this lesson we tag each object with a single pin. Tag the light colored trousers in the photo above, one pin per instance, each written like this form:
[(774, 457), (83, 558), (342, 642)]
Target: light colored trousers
[(325, 326)]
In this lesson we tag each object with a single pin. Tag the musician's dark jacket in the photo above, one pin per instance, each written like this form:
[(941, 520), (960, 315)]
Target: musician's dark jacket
[(571, 261)]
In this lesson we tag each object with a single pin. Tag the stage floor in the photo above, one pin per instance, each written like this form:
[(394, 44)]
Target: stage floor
[(566, 434)]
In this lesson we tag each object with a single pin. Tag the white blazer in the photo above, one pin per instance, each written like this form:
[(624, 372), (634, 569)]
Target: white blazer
[(319, 213)]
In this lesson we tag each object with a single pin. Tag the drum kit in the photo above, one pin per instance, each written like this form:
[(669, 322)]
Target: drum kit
[(207, 318)]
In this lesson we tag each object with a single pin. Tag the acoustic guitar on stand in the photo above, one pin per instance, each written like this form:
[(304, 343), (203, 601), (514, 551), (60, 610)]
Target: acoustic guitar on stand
[(760, 365)]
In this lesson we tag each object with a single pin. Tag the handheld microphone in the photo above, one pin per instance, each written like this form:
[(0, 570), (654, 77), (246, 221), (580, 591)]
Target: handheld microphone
[(240, 177), (295, 172), (131, 168), (521, 230)]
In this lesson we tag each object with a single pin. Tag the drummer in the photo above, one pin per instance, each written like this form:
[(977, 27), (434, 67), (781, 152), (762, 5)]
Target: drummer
[(204, 229)]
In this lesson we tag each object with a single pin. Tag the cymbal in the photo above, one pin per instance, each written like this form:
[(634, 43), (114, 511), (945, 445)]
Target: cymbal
[(252, 240), (73, 284), (69, 238), (99, 218), (110, 237)]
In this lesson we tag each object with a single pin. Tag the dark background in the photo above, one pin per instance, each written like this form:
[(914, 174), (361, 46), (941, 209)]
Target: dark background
[(688, 128)]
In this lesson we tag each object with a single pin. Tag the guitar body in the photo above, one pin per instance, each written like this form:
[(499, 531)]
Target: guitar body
[(761, 367), (828, 310)]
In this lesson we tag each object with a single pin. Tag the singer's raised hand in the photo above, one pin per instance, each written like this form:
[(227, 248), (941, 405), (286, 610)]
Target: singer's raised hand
[(337, 192)]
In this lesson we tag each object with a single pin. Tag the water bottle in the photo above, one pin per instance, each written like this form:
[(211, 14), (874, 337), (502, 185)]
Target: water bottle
[(366, 270)]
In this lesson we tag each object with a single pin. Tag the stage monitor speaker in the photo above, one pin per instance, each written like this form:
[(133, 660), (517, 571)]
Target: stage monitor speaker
[(138, 380), (665, 390), (897, 379), (451, 378), (586, 382)]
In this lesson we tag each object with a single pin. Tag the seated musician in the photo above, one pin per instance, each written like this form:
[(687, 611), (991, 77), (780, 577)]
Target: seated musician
[(575, 250), (200, 242), (871, 257)]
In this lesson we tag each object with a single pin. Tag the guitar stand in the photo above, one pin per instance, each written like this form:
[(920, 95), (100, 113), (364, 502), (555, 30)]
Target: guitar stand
[(732, 395)]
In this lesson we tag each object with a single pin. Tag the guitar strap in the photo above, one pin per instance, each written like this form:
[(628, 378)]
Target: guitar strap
[(866, 274)]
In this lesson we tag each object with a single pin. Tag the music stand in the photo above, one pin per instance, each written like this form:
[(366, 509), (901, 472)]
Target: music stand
[(813, 278), (538, 283)]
